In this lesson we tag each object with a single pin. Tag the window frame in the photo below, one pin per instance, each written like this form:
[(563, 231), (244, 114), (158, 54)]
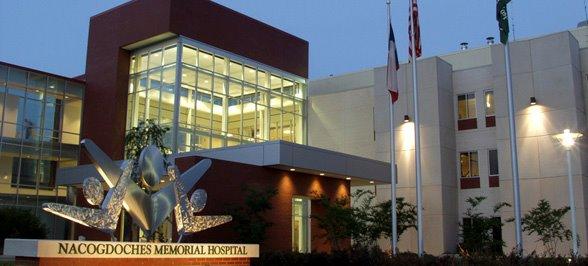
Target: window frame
[(486, 91), (467, 94), (490, 163), (307, 219), (199, 51), (469, 164)]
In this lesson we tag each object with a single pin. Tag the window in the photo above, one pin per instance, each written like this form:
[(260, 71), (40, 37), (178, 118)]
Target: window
[(224, 100), (301, 224), (466, 111), (489, 98), (32, 170), (169, 55), (469, 164), (493, 162), (466, 104), (489, 107)]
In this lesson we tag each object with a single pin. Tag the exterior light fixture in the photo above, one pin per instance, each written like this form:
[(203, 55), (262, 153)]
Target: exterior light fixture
[(372, 181), (463, 46), (406, 118), (568, 140), (292, 169), (348, 178), (490, 40), (322, 174), (533, 100)]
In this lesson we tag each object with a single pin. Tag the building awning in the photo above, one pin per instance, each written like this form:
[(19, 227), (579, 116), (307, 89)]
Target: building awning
[(276, 154)]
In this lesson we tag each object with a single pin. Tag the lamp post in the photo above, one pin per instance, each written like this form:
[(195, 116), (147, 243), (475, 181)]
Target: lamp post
[(568, 139)]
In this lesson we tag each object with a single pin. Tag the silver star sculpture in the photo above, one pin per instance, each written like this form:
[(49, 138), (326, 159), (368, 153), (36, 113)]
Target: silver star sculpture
[(147, 211)]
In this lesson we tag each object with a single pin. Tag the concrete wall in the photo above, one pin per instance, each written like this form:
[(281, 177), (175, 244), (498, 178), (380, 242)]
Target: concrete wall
[(341, 114), (552, 68), (344, 109), (548, 69), (437, 149)]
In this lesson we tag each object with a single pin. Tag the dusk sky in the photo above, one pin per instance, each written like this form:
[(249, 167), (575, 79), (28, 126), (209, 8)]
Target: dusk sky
[(344, 35)]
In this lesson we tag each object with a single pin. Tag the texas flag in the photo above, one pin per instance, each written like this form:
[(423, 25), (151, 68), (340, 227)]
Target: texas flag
[(392, 76)]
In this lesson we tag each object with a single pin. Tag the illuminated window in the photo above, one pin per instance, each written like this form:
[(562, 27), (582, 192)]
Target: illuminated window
[(301, 224), (224, 100), (155, 59), (466, 106), (205, 61), (489, 100), (169, 55), (189, 56), (469, 164), (489, 108)]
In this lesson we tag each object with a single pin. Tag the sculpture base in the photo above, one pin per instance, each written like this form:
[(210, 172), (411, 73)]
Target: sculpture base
[(62, 252)]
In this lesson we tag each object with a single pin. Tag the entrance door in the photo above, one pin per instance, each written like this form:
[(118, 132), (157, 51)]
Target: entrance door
[(300, 224)]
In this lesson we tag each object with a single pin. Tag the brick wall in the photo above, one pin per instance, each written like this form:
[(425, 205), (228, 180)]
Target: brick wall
[(224, 183)]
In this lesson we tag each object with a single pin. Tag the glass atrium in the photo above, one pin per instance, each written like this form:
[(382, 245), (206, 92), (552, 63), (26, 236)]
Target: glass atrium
[(213, 98), (40, 126)]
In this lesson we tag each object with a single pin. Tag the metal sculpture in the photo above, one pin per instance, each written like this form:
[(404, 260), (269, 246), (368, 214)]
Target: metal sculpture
[(186, 222), (147, 211), (106, 217)]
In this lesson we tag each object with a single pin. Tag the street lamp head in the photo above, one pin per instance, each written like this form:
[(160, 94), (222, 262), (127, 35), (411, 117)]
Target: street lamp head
[(568, 138)]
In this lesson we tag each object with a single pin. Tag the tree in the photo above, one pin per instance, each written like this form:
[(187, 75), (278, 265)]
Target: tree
[(146, 133), (365, 221), (546, 223), (477, 229), (336, 220), (20, 223), (248, 219), (376, 219), (406, 218)]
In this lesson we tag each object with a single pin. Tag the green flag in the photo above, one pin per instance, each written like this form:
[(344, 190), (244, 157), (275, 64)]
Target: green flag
[(502, 17)]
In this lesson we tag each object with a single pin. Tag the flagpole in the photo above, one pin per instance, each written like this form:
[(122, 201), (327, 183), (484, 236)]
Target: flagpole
[(513, 153), (502, 18), (417, 137), (394, 237)]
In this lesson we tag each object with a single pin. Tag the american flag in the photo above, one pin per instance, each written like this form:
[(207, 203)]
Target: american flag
[(414, 11), (391, 77)]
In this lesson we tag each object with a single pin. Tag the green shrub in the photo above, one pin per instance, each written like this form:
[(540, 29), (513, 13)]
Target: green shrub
[(365, 222), (545, 222), (476, 235), (20, 223), (146, 133), (248, 219), (355, 256), (337, 220), (374, 256)]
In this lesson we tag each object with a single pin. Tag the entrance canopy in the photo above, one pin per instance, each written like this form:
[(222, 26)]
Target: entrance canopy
[(276, 154)]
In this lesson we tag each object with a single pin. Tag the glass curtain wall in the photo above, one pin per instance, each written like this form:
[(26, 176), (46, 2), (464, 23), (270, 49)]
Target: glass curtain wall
[(40, 127), (222, 99)]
